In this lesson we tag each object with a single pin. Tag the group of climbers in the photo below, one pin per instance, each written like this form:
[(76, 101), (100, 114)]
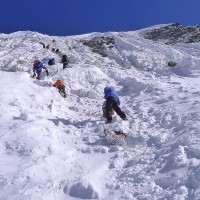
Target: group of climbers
[(111, 104), (64, 58), (38, 66), (64, 61)]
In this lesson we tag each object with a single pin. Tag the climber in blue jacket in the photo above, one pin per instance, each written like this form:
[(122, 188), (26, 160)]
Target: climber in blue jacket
[(37, 69), (112, 103)]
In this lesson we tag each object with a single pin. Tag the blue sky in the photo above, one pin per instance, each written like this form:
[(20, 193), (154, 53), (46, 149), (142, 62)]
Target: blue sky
[(73, 17)]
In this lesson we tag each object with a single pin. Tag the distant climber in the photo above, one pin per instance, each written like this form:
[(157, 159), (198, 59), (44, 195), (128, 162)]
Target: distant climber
[(53, 50), (38, 66), (112, 103), (65, 61), (51, 61), (47, 47), (57, 50), (61, 87)]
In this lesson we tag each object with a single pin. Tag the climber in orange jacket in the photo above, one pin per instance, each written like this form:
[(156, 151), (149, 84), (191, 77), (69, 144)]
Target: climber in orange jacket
[(61, 87)]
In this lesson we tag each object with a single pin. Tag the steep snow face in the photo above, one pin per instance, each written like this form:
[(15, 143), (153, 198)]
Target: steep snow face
[(55, 148)]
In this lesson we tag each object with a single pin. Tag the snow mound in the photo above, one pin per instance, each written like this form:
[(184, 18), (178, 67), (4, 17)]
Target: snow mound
[(55, 148)]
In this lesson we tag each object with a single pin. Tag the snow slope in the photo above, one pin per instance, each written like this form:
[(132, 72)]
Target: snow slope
[(54, 148)]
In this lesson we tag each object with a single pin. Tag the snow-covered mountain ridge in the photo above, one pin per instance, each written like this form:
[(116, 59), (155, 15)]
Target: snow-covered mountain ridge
[(54, 148)]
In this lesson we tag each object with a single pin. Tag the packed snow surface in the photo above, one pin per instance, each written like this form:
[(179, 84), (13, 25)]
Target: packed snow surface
[(54, 148)]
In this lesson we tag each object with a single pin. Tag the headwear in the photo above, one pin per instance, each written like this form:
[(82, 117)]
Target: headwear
[(107, 89), (36, 62), (110, 91)]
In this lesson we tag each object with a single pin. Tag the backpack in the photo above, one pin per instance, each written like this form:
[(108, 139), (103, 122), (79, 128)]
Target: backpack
[(51, 61)]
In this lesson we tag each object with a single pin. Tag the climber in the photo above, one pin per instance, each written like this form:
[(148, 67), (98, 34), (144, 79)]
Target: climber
[(65, 61), (51, 61), (112, 103), (61, 87), (37, 69)]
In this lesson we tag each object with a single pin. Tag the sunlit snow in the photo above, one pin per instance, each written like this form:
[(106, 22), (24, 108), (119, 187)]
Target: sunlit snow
[(55, 148)]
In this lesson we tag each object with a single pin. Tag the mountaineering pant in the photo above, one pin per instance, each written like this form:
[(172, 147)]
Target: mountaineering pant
[(111, 103), (61, 90), (65, 65), (104, 110), (38, 72)]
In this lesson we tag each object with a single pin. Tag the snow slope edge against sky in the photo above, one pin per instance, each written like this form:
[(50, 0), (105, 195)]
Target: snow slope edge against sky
[(54, 148)]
